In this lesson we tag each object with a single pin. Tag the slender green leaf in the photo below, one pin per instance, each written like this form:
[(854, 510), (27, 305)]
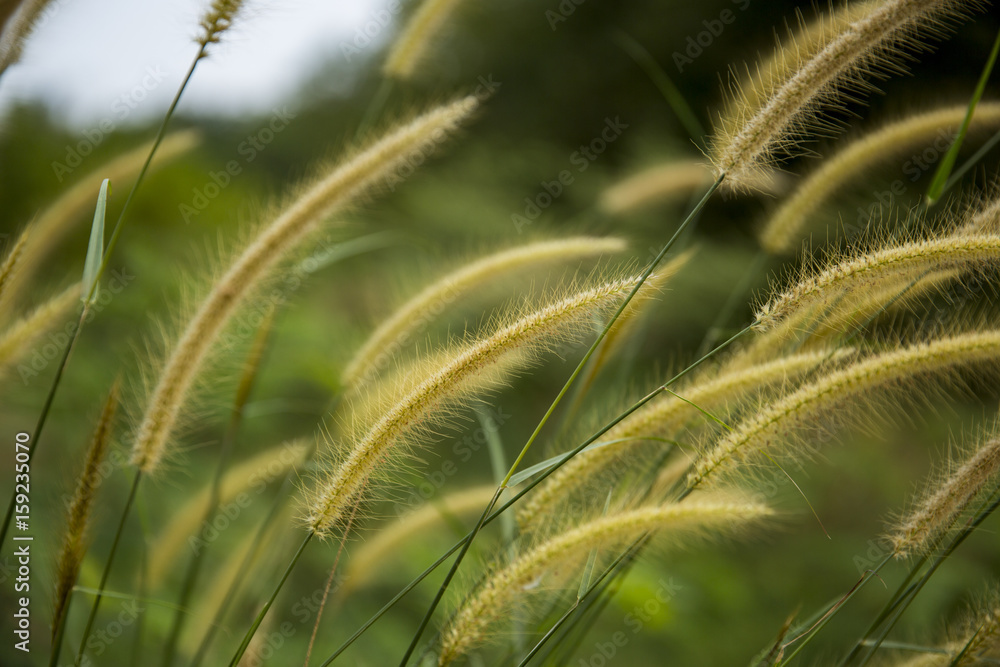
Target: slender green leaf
[(948, 162), (95, 249)]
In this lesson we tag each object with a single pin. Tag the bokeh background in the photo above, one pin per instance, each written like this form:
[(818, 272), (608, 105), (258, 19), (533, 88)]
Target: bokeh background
[(557, 83)]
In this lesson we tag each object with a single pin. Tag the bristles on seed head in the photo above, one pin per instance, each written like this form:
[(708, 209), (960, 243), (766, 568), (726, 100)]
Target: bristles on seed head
[(79, 511), (664, 417), (340, 187), (783, 231), (766, 433), (555, 559), (410, 49), (945, 502), (459, 376), (378, 350), (863, 270), (218, 19), (775, 110)]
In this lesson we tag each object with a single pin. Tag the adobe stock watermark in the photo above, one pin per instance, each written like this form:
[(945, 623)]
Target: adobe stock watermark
[(415, 158), (55, 342), (371, 29), (635, 621), (580, 160), (101, 639), (248, 150), (562, 12), (913, 169), (696, 45), (121, 108), (462, 450), (229, 511)]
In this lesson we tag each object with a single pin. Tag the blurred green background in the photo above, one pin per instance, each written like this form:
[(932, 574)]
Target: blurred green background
[(557, 87)]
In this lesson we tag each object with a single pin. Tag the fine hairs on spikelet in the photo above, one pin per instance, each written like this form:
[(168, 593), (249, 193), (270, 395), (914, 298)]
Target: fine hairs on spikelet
[(78, 514), (943, 503), (18, 338), (554, 559), (975, 640), (765, 432), (217, 20), (867, 269), (411, 47), (332, 192), (76, 204), (783, 231), (399, 327), (462, 374), (662, 417), (10, 267), (774, 111), (16, 34)]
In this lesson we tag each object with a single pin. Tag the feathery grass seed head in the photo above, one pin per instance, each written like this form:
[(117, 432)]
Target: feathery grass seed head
[(773, 115), (462, 374), (555, 556), (333, 191), (942, 505)]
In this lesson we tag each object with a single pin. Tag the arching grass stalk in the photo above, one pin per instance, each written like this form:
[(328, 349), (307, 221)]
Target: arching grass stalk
[(617, 565), (673, 96), (541, 478), (107, 568), (242, 571), (733, 301), (548, 413), (270, 601), (908, 589), (113, 240), (814, 629), (247, 380)]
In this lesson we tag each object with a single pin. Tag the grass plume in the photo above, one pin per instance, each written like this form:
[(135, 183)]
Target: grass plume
[(74, 544), (462, 374), (399, 326), (861, 271), (410, 49), (662, 417), (776, 109), (555, 557), (783, 231), (942, 505), (335, 190), (765, 432)]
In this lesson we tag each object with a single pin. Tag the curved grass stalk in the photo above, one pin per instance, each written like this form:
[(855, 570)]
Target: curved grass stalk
[(400, 326), (59, 218), (784, 228), (463, 544), (363, 565), (763, 433), (695, 211), (221, 14), (78, 520), (772, 114), (17, 340), (335, 190), (659, 418), (865, 271), (464, 373), (553, 557)]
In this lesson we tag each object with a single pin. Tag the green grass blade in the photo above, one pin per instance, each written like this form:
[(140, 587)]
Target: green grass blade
[(936, 189), (95, 248)]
